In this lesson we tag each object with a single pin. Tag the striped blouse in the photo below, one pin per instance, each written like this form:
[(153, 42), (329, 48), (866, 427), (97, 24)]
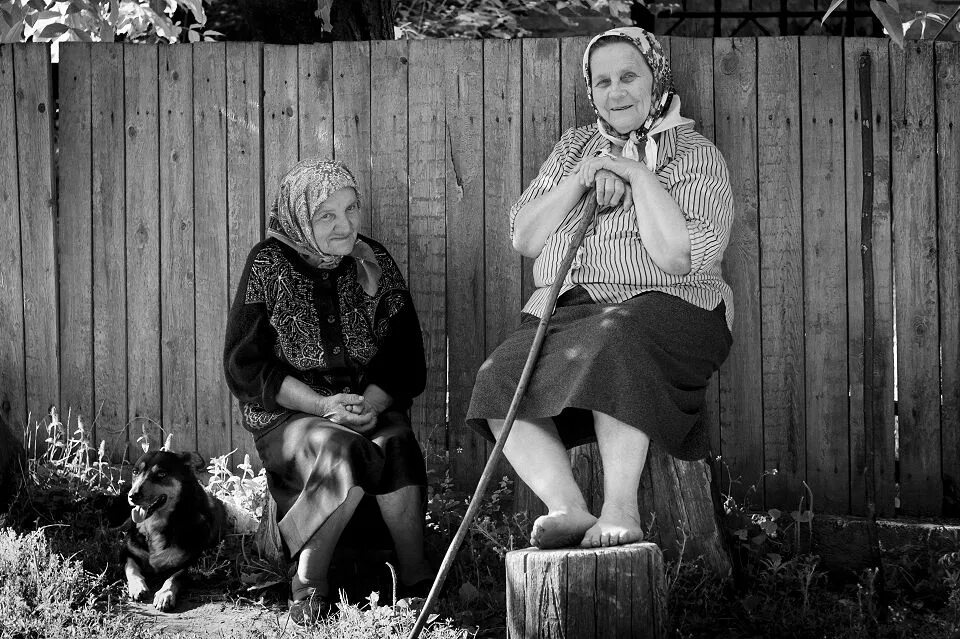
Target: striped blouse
[(612, 264)]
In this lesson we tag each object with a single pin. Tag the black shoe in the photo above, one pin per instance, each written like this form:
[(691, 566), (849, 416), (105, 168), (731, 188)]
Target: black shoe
[(311, 609)]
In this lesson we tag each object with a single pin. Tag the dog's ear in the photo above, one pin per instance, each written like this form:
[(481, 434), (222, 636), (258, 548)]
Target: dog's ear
[(194, 460)]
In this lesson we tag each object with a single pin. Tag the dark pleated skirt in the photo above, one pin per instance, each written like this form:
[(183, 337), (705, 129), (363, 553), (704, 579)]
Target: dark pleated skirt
[(646, 362), (312, 463)]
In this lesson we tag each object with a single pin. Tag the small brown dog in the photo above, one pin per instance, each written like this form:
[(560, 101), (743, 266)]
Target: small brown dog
[(174, 519)]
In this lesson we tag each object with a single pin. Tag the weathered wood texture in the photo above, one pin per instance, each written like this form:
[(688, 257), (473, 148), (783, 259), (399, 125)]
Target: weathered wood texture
[(915, 277), (781, 270), (116, 286), (602, 592), (948, 207), (142, 122)]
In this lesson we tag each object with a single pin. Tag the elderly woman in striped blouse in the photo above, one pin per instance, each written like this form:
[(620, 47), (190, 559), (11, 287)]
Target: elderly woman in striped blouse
[(643, 317)]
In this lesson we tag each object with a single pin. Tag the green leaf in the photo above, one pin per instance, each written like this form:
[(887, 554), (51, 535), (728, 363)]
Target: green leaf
[(84, 36), (13, 34), (895, 5), (196, 8), (890, 20), (51, 31), (833, 5)]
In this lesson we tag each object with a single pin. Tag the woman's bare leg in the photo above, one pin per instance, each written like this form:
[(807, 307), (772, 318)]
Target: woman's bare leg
[(623, 451), (402, 512), (313, 562), (538, 456)]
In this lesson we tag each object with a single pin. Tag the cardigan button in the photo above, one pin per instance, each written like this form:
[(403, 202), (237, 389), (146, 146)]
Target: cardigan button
[(346, 389), (331, 319), (336, 350), (324, 275)]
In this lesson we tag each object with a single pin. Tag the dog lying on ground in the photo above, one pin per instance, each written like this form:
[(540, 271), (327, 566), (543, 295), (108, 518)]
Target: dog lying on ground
[(174, 519)]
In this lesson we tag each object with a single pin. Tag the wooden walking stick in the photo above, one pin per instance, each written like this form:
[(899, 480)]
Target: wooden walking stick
[(589, 213)]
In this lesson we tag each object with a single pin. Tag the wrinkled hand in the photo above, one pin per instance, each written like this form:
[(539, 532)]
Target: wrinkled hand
[(350, 410), (611, 177)]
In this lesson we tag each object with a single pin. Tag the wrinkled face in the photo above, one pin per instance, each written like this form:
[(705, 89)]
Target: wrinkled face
[(157, 484), (336, 222), (621, 83)]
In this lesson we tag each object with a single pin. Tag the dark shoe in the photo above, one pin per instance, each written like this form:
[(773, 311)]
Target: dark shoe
[(311, 609)]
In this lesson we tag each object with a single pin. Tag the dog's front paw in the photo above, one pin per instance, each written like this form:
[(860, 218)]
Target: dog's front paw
[(138, 589), (164, 600)]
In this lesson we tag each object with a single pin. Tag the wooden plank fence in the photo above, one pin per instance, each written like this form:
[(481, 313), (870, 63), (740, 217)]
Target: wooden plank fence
[(132, 187)]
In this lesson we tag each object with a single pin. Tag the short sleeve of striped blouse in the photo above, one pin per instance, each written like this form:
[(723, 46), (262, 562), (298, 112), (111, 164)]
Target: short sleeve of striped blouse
[(559, 163), (700, 184)]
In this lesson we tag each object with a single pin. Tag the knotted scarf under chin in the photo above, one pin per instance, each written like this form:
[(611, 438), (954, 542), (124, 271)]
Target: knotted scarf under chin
[(368, 269)]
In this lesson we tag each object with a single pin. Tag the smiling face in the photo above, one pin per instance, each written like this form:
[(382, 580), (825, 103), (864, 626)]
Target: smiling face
[(621, 83), (336, 222)]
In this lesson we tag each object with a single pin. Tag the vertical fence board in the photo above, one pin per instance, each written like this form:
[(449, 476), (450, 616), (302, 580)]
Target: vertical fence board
[(741, 407), (427, 161), (210, 245), (541, 118), (540, 131), (351, 113), (575, 108), (12, 372), (281, 131), (109, 238), (75, 276), (948, 145), (245, 197), (824, 272), (915, 277), (34, 117), (389, 195), (315, 99), (177, 349), (882, 380), (691, 61), (502, 186), (781, 267), (463, 97), (144, 397)]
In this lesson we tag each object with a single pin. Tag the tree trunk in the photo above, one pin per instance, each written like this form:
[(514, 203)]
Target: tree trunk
[(363, 19), (586, 593)]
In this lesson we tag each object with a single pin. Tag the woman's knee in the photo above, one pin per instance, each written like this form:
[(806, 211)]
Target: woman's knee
[(332, 441)]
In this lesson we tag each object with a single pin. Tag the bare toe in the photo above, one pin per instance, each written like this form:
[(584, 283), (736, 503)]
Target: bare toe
[(613, 530), (560, 529)]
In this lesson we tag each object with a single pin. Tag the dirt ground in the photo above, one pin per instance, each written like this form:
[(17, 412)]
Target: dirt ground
[(202, 615)]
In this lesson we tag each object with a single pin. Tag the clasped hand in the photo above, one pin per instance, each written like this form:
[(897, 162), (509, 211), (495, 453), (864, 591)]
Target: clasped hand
[(350, 410), (612, 178)]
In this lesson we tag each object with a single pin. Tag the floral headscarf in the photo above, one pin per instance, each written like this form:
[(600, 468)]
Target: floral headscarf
[(302, 190), (664, 103)]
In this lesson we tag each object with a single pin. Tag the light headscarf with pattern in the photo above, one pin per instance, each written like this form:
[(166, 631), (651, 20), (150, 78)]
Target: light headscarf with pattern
[(302, 190), (664, 103)]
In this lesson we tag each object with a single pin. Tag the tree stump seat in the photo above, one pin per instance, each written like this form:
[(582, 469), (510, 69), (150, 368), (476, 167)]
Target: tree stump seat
[(584, 593)]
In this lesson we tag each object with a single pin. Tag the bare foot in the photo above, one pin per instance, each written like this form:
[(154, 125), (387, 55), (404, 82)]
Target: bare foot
[(615, 527), (560, 528)]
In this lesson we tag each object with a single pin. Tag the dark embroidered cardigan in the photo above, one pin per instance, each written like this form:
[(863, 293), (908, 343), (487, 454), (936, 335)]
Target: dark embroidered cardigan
[(320, 327)]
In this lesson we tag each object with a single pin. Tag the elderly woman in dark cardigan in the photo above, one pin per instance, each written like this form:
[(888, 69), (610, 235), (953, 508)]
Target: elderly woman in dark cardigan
[(643, 317), (324, 351)]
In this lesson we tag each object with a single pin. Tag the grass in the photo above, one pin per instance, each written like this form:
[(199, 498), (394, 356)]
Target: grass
[(60, 574)]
